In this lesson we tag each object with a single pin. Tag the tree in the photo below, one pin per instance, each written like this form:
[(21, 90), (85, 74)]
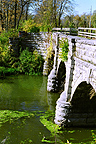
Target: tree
[(83, 20), (66, 6), (22, 5), (77, 20), (51, 11), (13, 11), (68, 21), (94, 19)]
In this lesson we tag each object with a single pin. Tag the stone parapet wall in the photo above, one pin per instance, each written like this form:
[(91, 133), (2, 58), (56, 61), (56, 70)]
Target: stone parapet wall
[(86, 50), (39, 41)]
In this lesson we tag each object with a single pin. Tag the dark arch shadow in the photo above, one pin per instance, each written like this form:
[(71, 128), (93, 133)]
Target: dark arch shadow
[(61, 75), (84, 99)]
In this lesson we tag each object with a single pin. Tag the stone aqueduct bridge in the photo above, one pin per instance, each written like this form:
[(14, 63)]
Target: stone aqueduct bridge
[(77, 103), (71, 109)]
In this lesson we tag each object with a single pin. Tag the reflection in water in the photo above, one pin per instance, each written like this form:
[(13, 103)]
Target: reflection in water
[(24, 93), (30, 93)]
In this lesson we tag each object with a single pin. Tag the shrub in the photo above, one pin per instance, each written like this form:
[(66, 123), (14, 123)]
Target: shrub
[(64, 53), (30, 63), (46, 27), (4, 36), (50, 57), (4, 56), (30, 26), (7, 71)]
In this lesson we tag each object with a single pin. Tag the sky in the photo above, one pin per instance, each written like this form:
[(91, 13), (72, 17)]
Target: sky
[(84, 6)]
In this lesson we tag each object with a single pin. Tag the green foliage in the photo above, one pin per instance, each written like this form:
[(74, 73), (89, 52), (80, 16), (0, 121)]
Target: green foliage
[(29, 26), (30, 63), (94, 137), (8, 115), (94, 19), (7, 59), (47, 141), (7, 71), (45, 27), (5, 55), (26, 141), (50, 57), (49, 50), (72, 25), (47, 120), (4, 36), (64, 53), (13, 33), (4, 39)]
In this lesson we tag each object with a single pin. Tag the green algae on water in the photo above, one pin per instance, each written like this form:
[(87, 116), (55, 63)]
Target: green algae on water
[(9, 115), (48, 121)]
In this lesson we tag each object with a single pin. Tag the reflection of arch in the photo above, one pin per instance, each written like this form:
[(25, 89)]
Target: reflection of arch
[(84, 98), (61, 74)]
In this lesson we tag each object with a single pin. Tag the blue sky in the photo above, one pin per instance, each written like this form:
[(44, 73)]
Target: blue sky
[(84, 6)]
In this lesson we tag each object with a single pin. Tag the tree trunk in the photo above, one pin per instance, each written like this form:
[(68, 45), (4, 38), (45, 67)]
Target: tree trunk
[(0, 15), (22, 7), (20, 16), (27, 6), (15, 14), (7, 17), (54, 17), (60, 14)]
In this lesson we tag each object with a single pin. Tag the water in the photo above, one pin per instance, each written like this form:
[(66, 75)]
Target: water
[(29, 93)]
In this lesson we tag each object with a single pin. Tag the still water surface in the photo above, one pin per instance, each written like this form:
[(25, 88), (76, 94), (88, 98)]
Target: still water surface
[(29, 93)]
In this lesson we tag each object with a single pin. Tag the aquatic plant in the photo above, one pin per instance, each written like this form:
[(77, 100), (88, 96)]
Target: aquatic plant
[(9, 115), (48, 121)]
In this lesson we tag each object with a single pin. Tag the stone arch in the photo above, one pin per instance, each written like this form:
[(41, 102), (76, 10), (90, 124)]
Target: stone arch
[(77, 82), (61, 75), (84, 98)]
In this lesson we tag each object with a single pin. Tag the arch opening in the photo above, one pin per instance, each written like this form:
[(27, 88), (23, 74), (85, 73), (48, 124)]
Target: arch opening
[(61, 75), (84, 99)]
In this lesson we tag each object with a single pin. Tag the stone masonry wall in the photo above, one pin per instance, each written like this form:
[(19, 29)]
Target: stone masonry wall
[(40, 41), (80, 66), (85, 64)]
